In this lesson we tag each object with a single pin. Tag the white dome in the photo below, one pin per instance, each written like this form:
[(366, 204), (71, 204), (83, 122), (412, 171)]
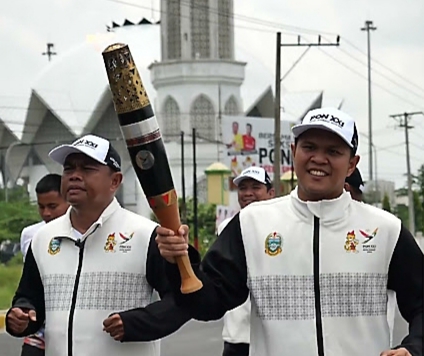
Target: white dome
[(74, 84)]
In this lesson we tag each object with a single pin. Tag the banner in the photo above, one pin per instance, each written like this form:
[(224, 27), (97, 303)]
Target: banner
[(249, 141)]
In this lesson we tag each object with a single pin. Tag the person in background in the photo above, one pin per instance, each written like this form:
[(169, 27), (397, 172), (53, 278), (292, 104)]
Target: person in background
[(355, 185), (253, 184), (51, 205)]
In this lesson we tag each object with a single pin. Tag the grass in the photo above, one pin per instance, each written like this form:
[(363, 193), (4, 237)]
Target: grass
[(9, 279)]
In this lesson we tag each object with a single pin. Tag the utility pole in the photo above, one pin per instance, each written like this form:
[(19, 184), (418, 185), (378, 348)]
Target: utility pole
[(369, 27), (49, 52), (219, 131), (277, 107), (277, 122), (183, 207), (403, 122), (195, 220)]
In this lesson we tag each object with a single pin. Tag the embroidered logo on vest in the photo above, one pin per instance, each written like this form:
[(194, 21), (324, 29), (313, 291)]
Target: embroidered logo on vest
[(124, 246), (110, 243), (54, 246), (351, 242), (366, 246), (273, 244)]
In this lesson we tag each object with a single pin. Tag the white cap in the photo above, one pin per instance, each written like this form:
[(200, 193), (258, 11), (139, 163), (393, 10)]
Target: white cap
[(95, 147), (257, 173), (329, 119)]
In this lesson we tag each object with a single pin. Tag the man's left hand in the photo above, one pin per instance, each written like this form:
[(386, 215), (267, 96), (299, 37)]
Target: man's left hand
[(114, 326), (398, 352)]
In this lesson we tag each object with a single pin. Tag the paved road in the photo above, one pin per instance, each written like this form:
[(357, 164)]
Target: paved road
[(193, 338)]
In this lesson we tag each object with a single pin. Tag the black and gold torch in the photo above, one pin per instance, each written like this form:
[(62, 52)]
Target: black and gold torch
[(143, 138)]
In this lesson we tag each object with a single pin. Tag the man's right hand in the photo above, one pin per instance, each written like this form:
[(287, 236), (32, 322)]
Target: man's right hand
[(18, 319), (171, 245)]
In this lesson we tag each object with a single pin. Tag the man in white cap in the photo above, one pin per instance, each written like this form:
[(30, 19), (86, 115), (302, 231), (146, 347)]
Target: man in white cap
[(90, 273), (355, 185), (253, 184), (317, 264)]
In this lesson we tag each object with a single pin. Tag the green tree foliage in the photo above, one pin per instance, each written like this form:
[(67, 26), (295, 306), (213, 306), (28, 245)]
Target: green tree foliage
[(386, 203), (16, 214), (206, 217)]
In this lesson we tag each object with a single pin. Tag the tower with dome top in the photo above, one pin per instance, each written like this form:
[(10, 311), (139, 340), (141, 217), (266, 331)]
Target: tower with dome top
[(198, 77)]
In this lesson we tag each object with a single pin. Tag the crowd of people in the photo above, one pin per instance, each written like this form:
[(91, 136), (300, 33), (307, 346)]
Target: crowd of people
[(307, 274)]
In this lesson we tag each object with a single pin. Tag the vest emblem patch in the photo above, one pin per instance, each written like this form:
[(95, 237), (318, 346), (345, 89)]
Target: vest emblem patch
[(273, 244), (125, 245), (110, 243), (351, 242), (54, 246), (368, 246)]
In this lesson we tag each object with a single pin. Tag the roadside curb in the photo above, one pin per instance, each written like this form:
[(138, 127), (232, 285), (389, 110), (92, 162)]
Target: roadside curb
[(2, 320)]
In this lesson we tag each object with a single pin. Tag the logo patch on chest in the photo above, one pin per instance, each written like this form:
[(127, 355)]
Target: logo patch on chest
[(54, 246), (125, 245), (273, 244), (351, 242), (110, 243), (368, 244)]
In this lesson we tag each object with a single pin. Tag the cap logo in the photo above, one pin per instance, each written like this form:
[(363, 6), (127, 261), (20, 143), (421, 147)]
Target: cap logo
[(255, 171), (86, 143), (114, 162), (328, 118)]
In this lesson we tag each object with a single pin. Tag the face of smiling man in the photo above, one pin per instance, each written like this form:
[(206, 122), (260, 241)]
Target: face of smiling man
[(322, 161)]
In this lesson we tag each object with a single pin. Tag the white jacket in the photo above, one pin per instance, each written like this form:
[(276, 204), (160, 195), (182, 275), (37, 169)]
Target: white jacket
[(319, 279), (236, 328), (27, 234), (86, 280)]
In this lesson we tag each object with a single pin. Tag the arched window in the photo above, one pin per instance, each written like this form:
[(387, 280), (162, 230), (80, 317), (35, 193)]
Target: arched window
[(231, 107), (202, 117), (171, 118)]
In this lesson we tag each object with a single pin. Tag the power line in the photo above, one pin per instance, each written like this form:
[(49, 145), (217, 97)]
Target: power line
[(279, 26), (362, 76)]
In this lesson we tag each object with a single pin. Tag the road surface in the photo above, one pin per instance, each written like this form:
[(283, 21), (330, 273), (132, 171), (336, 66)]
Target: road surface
[(194, 338)]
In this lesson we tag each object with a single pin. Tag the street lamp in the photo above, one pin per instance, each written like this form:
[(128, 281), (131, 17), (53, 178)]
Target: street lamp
[(6, 169)]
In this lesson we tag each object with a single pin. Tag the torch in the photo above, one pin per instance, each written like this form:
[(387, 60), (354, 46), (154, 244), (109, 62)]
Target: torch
[(143, 138)]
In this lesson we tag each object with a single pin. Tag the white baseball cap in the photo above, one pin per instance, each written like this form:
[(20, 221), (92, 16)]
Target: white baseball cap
[(330, 119), (95, 147), (257, 173)]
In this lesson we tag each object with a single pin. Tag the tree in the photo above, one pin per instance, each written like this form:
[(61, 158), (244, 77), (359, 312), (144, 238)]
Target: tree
[(386, 203), (14, 217), (206, 218), (419, 180)]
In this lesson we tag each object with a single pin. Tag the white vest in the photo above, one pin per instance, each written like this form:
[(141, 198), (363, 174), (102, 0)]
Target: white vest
[(278, 237), (236, 328), (112, 279)]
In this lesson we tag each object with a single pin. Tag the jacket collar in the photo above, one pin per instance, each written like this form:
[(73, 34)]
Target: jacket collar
[(328, 211), (65, 228)]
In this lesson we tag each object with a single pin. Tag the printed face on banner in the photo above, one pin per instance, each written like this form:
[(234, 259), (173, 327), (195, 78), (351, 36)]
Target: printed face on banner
[(249, 142)]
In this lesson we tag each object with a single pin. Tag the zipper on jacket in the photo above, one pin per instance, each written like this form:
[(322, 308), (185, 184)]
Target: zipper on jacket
[(74, 299), (80, 244), (317, 292)]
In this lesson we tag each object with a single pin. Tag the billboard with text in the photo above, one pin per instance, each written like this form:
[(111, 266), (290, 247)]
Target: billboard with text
[(249, 141)]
